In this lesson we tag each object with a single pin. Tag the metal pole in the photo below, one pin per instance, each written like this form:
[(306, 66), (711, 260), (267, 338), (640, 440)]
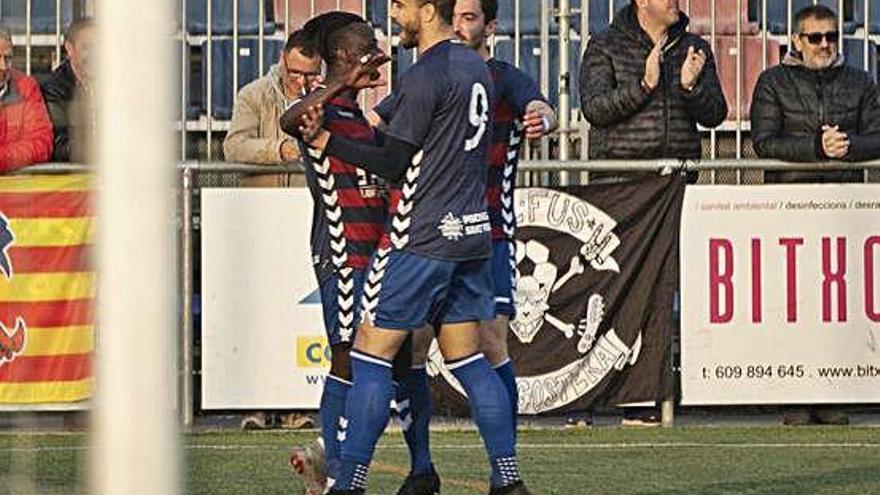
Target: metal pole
[(57, 33), (184, 66), (840, 28), (517, 33), (563, 86), (713, 143), (134, 440), (866, 39), (739, 83), (235, 50), (667, 413), (788, 20), (390, 34), (261, 39), (209, 92), (286, 19), (584, 125), (545, 65), (187, 399), (27, 36), (764, 29)]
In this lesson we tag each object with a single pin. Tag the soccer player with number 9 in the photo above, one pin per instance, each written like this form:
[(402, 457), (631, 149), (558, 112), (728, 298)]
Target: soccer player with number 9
[(434, 265)]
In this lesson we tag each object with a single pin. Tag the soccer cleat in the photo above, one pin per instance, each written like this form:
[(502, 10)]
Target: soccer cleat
[(345, 492), (421, 484), (307, 463), (518, 488), (255, 421)]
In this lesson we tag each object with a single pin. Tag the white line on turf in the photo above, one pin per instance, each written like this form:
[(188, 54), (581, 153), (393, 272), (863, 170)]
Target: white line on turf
[(536, 446)]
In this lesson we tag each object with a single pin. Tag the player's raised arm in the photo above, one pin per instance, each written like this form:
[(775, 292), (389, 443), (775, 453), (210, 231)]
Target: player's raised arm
[(388, 161)]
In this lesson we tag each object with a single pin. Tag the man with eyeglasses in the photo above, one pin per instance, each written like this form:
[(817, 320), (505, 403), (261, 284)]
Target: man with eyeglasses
[(813, 107), (255, 135)]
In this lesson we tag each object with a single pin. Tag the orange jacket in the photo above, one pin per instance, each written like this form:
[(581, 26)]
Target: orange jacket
[(25, 129)]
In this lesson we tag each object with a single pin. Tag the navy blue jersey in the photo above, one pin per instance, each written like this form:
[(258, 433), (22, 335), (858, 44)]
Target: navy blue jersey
[(514, 90), (350, 204), (443, 107)]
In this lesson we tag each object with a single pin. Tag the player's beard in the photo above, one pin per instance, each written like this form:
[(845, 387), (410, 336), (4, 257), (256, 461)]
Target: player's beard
[(409, 38)]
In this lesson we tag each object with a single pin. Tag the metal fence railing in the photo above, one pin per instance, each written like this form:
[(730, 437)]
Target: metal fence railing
[(194, 175), (545, 38), (540, 173)]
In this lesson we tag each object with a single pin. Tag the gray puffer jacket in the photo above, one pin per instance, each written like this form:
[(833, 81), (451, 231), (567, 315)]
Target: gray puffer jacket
[(630, 123)]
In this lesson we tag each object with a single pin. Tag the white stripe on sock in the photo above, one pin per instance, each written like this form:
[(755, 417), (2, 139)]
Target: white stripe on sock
[(502, 363), (369, 359), (465, 362), (340, 380)]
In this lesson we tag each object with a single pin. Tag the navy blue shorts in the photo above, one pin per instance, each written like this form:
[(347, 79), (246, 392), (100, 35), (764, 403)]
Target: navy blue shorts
[(404, 291), (339, 296), (503, 276)]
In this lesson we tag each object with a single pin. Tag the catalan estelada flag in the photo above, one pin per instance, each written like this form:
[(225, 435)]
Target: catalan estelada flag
[(46, 289)]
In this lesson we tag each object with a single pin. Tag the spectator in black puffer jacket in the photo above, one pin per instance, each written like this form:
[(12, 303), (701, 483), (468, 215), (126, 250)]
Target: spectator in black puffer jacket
[(812, 107), (645, 84)]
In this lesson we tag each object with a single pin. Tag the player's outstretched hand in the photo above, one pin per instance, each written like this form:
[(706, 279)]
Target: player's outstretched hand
[(367, 75), (310, 129)]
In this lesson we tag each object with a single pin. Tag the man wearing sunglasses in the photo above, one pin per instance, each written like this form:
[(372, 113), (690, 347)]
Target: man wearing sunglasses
[(255, 135), (813, 107)]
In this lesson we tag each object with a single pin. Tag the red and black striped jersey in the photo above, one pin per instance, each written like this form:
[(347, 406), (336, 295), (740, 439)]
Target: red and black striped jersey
[(351, 205), (514, 90)]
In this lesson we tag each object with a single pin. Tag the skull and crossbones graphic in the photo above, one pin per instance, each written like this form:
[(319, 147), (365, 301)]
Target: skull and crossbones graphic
[(533, 291)]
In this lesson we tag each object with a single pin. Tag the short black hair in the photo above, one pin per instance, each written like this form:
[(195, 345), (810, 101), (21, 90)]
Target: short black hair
[(300, 40), (490, 9), (330, 32), (444, 7), (77, 27), (818, 12)]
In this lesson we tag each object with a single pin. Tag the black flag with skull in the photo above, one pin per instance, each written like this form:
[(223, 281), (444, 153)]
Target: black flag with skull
[(596, 272)]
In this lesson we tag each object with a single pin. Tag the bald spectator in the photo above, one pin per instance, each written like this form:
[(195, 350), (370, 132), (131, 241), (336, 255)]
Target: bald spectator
[(25, 130), (68, 93)]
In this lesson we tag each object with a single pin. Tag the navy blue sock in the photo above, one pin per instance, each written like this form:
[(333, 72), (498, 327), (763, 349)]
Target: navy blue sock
[(508, 378), (414, 410), (332, 408), (366, 415), (490, 408)]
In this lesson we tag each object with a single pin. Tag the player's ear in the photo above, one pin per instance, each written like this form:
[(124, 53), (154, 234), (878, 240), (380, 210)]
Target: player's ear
[(428, 12), (491, 27)]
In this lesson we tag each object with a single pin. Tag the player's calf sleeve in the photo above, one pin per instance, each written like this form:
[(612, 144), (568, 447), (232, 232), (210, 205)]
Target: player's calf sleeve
[(414, 410), (490, 408), (508, 378), (366, 414), (332, 409)]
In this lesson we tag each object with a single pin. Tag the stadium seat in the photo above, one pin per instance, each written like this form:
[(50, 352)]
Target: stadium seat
[(221, 17), (859, 15), (221, 75), (301, 10), (854, 54), (726, 60), (777, 13), (529, 16), (377, 13), (600, 13), (725, 17), (530, 63), (13, 15)]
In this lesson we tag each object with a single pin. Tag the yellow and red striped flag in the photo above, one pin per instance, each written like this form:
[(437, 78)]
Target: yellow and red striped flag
[(46, 289)]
